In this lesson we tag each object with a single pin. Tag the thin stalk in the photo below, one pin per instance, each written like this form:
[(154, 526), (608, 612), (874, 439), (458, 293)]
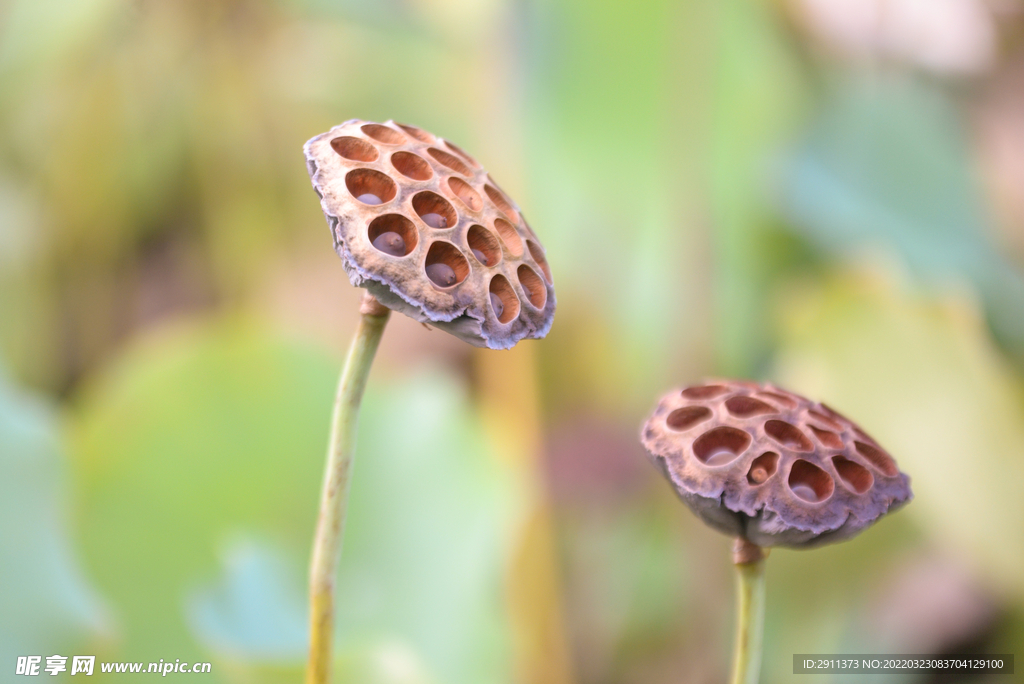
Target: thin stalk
[(749, 560), (334, 496)]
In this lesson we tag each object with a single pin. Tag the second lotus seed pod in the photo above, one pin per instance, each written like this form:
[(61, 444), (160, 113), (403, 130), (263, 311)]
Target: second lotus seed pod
[(770, 466), (424, 228)]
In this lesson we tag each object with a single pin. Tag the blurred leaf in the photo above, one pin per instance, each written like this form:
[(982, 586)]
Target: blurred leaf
[(648, 141), (385, 662), (815, 597), (255, 621), (630, 600), (922, 377), (192, 436), (758, 98), (430, 524), (887, 162), (46, 604), (257, 612), (20, 235), (614, 222), (199, 434), (36, 31)]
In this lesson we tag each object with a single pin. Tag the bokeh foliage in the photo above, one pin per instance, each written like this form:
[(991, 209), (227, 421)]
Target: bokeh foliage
[(720, 190)]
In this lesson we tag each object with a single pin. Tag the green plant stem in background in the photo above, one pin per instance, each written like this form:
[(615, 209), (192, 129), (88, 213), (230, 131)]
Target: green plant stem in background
[(749, 560), (334, 497)]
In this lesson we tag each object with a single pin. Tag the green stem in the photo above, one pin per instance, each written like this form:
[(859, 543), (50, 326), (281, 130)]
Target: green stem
[(334, 496), (749, 560)]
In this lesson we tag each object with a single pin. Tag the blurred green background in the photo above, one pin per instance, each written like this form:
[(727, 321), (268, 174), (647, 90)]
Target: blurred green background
[(828, 194)]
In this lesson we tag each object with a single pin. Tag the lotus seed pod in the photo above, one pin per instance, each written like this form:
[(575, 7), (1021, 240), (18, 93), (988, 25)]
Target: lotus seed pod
[(771, 467), (424, 228)]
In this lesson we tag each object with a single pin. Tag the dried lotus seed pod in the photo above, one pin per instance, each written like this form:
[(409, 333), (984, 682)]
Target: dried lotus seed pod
[(424, 228), (771, 467)]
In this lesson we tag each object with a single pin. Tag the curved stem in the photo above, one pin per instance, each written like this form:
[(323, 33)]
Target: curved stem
[(749, 560), (334, 495)]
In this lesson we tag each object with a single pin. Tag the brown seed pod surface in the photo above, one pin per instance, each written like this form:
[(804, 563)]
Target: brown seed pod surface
[(423, 227), (770, 466)]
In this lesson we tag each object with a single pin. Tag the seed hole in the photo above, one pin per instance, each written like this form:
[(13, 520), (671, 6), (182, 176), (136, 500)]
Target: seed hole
[(435, 210), (538, 255), (370, 187), (877, 458), (788, 435), (501, 202), (412, 165), (824, 420), (533, 286), (459, 151), (392, 234), (509, 237), (855, 475), (704, 391), (354, 149), (744, 407), (686, 417), (827, 438), (449, 160), (809, 482), (763, 467), (496, 304), (782, 399), (417, 133), (445, 265), (484, 245), (470, 197), (838, 419), (384, 134), (720, 445), (502, 289)]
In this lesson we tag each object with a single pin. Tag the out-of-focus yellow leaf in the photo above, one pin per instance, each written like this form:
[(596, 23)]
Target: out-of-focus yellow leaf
[(922, 377)]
